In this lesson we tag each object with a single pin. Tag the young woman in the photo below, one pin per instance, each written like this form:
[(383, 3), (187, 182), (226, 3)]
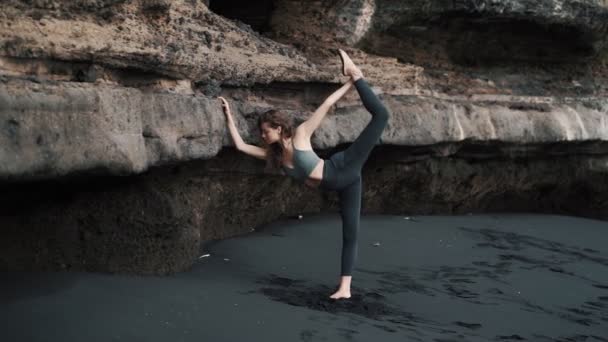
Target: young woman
[(291, 150)]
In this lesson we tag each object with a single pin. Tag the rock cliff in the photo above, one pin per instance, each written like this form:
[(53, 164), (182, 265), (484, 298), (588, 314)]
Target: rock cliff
[(114, 152)]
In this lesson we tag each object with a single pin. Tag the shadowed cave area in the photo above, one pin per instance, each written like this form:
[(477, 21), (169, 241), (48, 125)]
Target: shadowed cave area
[(258, 16), (476, 41)]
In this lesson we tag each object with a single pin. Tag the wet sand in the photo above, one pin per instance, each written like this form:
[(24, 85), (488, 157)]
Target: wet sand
[(427, 278)]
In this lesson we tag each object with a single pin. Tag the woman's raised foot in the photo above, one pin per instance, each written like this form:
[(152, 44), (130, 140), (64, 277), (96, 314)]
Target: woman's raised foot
[(348, 67)]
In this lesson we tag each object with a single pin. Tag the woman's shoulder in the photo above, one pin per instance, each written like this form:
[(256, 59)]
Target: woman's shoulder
[(301, 141), (300, 131)]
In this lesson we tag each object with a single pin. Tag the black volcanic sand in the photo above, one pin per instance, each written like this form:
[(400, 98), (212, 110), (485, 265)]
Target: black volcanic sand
[(426, 278)]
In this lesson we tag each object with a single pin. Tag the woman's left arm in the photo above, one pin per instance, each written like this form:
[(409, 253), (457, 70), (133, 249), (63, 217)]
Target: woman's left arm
[(309, 126)]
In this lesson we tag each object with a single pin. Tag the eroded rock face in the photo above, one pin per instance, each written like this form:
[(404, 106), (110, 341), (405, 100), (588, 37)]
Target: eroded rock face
[(469, 32), (178, 39), (114, 152), (153, 223)]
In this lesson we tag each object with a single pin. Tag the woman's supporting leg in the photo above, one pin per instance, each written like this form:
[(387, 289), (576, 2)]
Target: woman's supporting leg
[(358, 152), (350, 210)]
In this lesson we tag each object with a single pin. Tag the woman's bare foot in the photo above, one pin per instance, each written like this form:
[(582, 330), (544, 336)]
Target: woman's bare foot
[(340, 294), (348, 67), (344, 289)]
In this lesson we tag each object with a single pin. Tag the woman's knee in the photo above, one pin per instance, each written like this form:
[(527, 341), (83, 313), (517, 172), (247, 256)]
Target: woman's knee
[(382, 113)]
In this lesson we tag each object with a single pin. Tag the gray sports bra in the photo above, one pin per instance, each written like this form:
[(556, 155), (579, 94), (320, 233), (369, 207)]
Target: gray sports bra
[(304, 161)]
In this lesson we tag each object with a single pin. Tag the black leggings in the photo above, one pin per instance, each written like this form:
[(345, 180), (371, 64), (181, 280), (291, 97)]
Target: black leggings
[(342, 173)]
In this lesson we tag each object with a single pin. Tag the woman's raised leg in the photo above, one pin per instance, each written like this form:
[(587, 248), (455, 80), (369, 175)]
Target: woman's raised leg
[(358, 152)]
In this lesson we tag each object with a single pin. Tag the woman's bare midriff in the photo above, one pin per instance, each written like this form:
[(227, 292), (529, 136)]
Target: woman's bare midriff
[(316, 176)]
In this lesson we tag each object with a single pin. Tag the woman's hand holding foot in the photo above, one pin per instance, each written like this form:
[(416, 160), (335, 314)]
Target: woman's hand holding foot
[(348, 67)]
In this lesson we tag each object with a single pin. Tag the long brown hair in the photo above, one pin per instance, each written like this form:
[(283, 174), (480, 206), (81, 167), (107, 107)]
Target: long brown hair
[(274, 152)]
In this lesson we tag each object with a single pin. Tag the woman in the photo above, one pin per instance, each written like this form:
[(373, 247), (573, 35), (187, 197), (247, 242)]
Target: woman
[(291, 149)]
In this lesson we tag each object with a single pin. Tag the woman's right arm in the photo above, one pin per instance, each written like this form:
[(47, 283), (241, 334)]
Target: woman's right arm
[(240, 145), (311, 124)]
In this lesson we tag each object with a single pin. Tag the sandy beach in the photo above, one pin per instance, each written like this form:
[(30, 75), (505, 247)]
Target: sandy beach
[(502, 277)]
